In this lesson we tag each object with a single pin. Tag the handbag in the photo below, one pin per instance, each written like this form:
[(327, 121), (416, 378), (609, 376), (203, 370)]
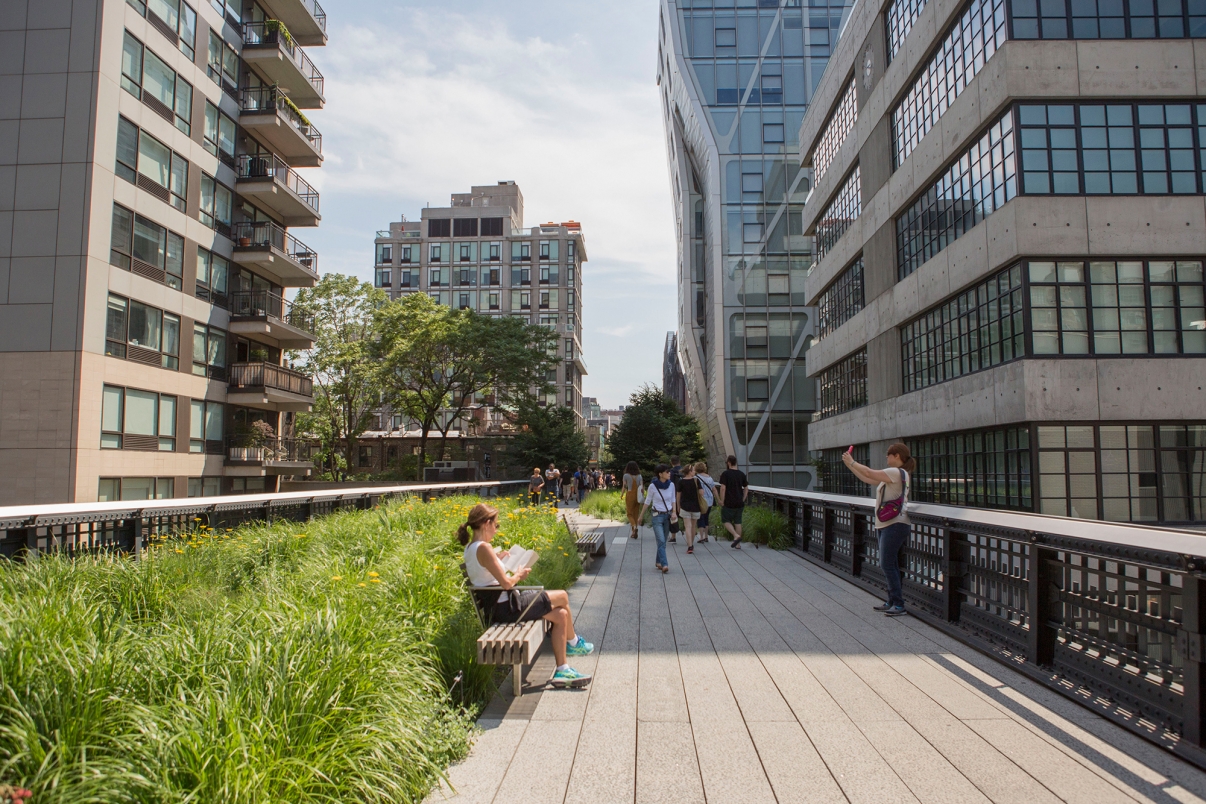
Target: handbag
[(703, 501), (891, 509)]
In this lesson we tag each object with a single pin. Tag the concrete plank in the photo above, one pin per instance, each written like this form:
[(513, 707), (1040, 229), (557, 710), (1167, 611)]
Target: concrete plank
[(793, 766), (540, 769), (929, 776), (667, 766)]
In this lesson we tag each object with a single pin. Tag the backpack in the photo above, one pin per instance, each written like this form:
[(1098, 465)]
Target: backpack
[(704, 503), (708, 489)]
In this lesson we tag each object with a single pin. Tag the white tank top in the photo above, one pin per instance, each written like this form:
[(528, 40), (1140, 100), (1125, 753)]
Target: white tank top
[(479, 575)]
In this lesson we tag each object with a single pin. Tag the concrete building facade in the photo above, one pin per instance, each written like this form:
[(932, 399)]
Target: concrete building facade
[(476, 254), (147, 199), (735, 83), (674, 383), (1010, 233)]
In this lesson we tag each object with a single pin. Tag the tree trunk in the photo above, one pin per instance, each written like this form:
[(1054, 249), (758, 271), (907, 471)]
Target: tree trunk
[(422, 452)]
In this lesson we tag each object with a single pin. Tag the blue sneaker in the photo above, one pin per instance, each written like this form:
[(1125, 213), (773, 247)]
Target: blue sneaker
[(569, 677), (896, 611), (579, 648)]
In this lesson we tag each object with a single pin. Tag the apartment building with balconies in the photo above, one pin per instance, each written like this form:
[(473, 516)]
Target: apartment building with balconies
[(149, 194), (476, 254), (1010, 232)]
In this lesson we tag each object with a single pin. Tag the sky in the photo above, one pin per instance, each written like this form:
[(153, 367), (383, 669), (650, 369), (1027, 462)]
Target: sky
[(426, 98)]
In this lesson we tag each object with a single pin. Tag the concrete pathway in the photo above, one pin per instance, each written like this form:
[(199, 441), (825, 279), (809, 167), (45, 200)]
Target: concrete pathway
[(753, 676)]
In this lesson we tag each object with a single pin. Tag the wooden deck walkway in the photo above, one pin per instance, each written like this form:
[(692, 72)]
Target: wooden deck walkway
[(753, 676)]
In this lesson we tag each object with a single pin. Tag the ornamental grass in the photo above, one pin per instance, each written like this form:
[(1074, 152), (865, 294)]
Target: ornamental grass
[(328, 661)]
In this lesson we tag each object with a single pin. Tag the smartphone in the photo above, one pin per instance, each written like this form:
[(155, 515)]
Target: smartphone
[(850, 450)]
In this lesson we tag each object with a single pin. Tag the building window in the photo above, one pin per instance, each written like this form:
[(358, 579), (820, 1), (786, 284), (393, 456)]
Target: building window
[(493, 301), (549, 275), (492, 227), (147, 162), (205, 427), (521, 300), (549, 250), (217, 202), (466, 300), (437, 277), (1107, 19), (144, 75), (841, 122), (438, 252), (407, 254), (491, 277), (520, 276), (113, 489), (521, 251), (842, 211), (491, 252), (772, 132), (726, 37), (137, 420), (144, 246), (835, 478), (464, 227), (408, 279), (382, 278), (209, 352), (901, 16), (213, 272), (439, 227), (844, 385), (174, 19), (569, 348), (220, 131), (570, 300), (1118, 307), (1102, 149), (385, 254), (979, 328), (466, 252), (965, 49), (204, 486), (841, 300), (548, 300), (981, 180), (222, 64), (981, 468), (135, 331)]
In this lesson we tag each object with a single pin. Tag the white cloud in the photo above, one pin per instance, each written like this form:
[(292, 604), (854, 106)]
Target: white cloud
[(435, 97)]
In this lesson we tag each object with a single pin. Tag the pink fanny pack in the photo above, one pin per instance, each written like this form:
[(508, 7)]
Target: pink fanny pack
[(894, 508)]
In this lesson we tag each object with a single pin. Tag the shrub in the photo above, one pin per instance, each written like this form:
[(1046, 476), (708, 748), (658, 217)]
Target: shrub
[(605, 505), (759, 526), (288, 662)]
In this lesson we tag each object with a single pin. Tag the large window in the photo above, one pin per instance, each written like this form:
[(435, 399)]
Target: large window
[(980, 181), (981, 468), (464, 227), (967, 46), (140, 244), (439, 227), (901, 16), (147, 162), (134, 419), (113, 489), (521, 300), (217, 202), (136, 331), (521, 251), (220, 132), (209, 352), (549, 250), (1127, 307), (1114, 148), (222, 65), (205, 426), (204, 486), (844, 385), (840, 123), (144, 75), (1107, 19), (835, 478), (981, 327), (213, 274), (492, 227), (174, 19), (842, 211), (841, 300)]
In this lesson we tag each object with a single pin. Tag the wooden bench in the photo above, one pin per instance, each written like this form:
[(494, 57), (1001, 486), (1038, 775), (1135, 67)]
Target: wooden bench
[(515, 644), (593, 544)]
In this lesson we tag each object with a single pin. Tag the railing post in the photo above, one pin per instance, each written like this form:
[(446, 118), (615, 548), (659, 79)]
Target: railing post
[(1040, 641), (140, 529), (954, 567), (1193, 656)]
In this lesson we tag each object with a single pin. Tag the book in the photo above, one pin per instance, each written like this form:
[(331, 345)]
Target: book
[(518, 558)]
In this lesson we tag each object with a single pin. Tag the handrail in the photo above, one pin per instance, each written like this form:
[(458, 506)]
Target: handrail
[(262, 234), (271, 99), (271, 166), (267, 450), (259, 374), (274, 32), (267, 304)]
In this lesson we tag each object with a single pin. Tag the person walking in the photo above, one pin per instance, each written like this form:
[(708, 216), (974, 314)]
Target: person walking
[(581, 481), (535, 484), (734, 488), (676, 469), (633, 489), (708, 487), (552, 480), (661, 498), (891, 519), (688, 505)]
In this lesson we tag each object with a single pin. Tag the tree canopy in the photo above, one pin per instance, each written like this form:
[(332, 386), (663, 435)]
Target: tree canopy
[(548, 434), (651, 430)]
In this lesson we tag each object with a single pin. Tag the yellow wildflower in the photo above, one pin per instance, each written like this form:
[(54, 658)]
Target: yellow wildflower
[(336, 577), (372, 575), (362, 585), (375, 580)]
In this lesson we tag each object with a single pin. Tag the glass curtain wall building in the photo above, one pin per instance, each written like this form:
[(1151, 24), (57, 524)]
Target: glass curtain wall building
[(736, 77)]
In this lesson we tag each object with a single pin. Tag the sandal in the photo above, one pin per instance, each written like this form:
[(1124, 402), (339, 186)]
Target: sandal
[(665, 569)]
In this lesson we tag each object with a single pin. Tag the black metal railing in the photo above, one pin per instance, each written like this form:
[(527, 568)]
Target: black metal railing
[(271, 450), (265, 234), (242, 376), (273, 33), (271, 99), (125, 526), (269, 166), (265, 304), (1112, 615)]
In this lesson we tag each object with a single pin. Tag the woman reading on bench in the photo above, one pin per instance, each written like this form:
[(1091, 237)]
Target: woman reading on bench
[(521, 605)]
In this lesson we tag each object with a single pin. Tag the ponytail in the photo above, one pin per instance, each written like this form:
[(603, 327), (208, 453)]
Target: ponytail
[(480, 514), (907, 462)]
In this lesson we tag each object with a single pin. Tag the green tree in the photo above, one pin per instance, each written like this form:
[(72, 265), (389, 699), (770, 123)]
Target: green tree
[(341, 364), (547, 434), (652, 429)]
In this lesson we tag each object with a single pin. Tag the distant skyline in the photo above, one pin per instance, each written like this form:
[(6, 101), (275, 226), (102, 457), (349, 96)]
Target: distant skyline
[(426, 98)]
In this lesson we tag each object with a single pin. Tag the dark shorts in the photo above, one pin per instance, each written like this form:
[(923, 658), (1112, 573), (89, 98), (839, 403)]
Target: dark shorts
[(509, 611), (731, 515)]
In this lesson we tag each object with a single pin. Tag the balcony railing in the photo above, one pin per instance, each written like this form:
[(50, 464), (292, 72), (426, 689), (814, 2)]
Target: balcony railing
[(266, 304), (271, 99), (265, 234), (270, 166), (243, 376), (274, 32), (272, 450), (319, 14)]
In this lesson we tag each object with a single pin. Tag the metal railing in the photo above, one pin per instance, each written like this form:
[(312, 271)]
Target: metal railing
[(1111, 615), (271, 166), (259, 374), (316, 11), (271, 450), (125, 526), (265, 234), (274, 33), (266, 304), (271, 99)]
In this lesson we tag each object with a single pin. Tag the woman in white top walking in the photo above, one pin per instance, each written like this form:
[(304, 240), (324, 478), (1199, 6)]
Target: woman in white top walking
[(484, 568), (891, 518), (662, 497)]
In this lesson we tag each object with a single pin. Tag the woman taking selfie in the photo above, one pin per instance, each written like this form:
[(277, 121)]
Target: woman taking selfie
[(891, 518)]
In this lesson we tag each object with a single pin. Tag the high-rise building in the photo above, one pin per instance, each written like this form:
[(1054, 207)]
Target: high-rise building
[(735, 83), (476, 254), (1010, 226), (148, 196), (674, 384)]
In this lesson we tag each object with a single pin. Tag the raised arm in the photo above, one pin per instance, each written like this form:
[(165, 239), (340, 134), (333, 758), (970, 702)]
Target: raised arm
[(865, 473)]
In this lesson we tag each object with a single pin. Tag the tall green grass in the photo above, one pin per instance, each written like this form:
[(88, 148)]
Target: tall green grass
[(605, 505), (310, 662), (758, 526)]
